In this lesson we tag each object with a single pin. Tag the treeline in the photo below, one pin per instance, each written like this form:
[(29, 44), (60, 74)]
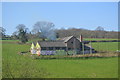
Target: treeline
[(87, 33), (46, 30)]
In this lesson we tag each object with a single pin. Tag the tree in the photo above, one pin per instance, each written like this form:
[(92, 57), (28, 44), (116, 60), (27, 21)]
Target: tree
[(100, 32), (2, 32), (99, 28), (15, 35), (22, 31), (46, 30)]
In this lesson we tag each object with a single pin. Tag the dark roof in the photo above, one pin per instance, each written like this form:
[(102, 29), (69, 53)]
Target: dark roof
[(68, 38), (52, 43), (55, 43), (65, 39)]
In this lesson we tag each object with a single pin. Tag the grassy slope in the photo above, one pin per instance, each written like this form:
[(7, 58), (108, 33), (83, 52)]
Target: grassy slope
[(24, 66), (105, 46), (80, 68)]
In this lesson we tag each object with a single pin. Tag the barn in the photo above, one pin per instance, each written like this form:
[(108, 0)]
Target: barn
[(66, 44)]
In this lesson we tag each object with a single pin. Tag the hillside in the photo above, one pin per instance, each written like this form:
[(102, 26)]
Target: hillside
[(86, 33)]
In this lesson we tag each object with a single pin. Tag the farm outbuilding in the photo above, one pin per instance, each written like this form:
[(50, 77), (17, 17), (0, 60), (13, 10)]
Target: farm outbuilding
[(66, 44)]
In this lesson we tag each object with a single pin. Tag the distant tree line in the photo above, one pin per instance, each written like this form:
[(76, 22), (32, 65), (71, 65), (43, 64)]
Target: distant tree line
[(46, 30), (99, 32)]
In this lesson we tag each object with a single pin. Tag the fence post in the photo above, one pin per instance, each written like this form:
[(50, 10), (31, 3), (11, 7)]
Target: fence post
[(83, 48), (66, 50), (90, 48)]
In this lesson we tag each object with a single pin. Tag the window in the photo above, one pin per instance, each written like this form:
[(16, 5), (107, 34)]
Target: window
[(57, 48), (69, 48), (43, 48), (50, 48)]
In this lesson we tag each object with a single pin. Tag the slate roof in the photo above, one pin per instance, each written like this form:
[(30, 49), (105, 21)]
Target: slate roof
[(52, 43), (67, 38), (55, 43)]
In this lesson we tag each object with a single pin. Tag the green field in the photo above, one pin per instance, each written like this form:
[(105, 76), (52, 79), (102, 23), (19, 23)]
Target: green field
[(17, 66), (105, 46), (32, 40), (9, 40), (97, 39)]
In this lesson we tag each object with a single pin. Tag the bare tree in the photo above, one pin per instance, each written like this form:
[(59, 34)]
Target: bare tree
[(15, 35), (46, 30), (100, 32), (99, 28)]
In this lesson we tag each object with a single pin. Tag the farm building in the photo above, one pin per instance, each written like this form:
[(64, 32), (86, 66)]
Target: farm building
[(66, 44)]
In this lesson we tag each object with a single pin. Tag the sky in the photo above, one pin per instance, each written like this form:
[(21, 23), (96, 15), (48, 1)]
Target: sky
[(87, 15)]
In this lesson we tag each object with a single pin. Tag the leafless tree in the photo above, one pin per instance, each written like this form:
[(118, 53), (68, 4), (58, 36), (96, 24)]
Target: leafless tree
[(99, 28), (46, 29)]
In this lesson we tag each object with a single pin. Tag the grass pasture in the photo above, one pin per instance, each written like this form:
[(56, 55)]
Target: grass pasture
[(98, 39), (105, 46), (17, 66)]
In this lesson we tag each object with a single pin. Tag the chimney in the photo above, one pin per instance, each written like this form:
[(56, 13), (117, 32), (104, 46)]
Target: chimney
[(81, 38)]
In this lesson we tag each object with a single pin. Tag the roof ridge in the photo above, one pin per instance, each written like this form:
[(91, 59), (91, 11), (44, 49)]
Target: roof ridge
[(67, 38)]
